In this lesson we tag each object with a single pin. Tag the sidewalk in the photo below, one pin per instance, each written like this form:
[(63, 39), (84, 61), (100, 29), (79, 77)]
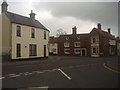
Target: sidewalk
[(114, 64), (43, 60)]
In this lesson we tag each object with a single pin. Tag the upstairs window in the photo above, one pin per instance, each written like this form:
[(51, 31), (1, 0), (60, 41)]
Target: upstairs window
[(77, 44), (94, 39), (67, 44), (78, 37), (18, 31), (67, 38), (32, 33), (45, 35)]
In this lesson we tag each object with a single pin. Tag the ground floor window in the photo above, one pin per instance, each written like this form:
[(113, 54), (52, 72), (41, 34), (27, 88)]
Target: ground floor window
[(67, 51), (33, 50), (95, 50), (53, 50), (77, 51), (18, 48)]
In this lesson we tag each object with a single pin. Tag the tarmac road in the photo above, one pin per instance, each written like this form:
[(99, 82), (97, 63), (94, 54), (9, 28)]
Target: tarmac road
[(65, 72)]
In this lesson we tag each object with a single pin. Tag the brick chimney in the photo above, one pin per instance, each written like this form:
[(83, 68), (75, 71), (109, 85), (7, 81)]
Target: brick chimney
[(109, 30), (74, 30), (99, 26), (32, 15), (4, 6)]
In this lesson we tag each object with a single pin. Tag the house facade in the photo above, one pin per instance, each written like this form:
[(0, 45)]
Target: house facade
[(23, 37), (95, 44), (102, 43), (74, 44), (53, 46)]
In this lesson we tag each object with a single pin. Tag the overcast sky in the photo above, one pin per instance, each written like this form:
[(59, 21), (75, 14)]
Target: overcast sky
[(65, 15)]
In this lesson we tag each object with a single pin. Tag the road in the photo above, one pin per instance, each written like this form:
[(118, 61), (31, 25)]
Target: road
[(65, 72)]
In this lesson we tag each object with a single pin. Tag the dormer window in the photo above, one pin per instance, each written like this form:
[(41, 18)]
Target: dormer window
[(78, 37), (67, 38), (32, 33), (18, 31)]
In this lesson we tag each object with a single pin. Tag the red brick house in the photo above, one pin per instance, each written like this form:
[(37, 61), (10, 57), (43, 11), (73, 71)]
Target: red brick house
[(96, 43), (74, 44), (102, 43)]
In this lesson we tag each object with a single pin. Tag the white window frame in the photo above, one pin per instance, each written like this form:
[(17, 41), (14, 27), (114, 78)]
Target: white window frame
[(66, 44), (96, 39), (78, 52), (75, 44), (78, 37), (65, 51), (96, 50)]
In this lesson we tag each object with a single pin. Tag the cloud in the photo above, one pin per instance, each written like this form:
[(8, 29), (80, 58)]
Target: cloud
[(105, 13)]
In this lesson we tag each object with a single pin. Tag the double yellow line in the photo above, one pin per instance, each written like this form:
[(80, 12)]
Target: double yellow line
[(113, 70)]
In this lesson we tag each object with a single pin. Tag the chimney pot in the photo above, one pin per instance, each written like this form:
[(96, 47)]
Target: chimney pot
[(99, 26), (32, 15), (74, 29), (109, 30)]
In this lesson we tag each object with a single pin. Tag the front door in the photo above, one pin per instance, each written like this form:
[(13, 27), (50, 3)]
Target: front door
[(83, 53), (44, 50)]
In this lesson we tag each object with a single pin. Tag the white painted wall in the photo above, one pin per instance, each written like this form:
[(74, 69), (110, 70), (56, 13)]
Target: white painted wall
[(26, 39), (53, 46)]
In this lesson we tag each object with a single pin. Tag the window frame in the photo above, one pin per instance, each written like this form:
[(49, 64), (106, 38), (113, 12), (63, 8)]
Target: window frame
[(66, 51), (32, 33), (76, 45), (32, 50), (66, 44), (18, 31)]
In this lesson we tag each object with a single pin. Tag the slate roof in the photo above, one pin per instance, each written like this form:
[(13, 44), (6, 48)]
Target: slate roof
[(73, 37), (19, 19), (53, 40)]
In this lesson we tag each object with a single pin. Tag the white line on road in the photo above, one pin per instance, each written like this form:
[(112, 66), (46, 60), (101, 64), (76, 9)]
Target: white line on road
[(2, 77), (64, 74)]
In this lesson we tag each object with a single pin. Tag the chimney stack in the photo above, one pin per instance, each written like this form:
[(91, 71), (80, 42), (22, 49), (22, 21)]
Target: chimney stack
[(32, 15), (109, 30), (4, 6), (99, 26), (74, 29)]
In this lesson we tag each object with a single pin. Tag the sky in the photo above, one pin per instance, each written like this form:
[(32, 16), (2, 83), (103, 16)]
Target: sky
[(64, 15)]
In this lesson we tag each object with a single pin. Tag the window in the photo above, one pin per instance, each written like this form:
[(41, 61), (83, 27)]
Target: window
[(53, 50), (67, 38), (95, 50), (32, 33), (67, 51), (77, 44), (67, 44), (18, 50), (45, 35), (33, 50), (18, 31), (77, 51), (95, 39), (78, 37)]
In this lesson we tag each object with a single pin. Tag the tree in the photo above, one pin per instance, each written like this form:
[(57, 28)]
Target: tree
[(60, 32)]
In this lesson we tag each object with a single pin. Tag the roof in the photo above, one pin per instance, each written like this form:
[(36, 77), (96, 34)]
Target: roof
[(19, 19), (73, 37), (53, 40), (103, 33)]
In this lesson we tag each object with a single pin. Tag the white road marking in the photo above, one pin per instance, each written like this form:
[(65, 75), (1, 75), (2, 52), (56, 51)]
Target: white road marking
[(14, 75), (64, 74), (2, 77)]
